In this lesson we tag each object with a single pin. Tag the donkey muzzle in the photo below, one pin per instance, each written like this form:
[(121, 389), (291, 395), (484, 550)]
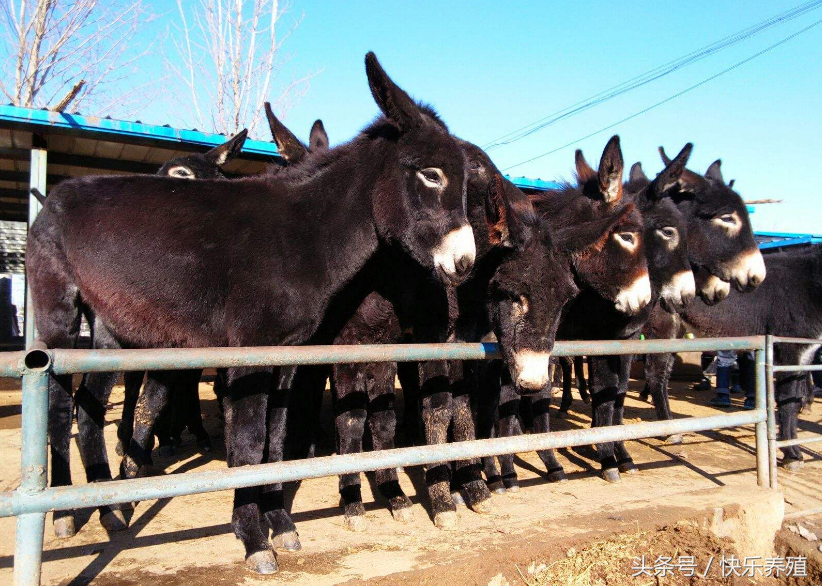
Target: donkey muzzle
[(748, 271), (531, 370), (634, 297), (714, 290), (455, 254), (677, 293)]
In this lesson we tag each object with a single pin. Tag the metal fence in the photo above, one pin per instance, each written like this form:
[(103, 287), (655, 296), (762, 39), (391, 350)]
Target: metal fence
[(32, 499)]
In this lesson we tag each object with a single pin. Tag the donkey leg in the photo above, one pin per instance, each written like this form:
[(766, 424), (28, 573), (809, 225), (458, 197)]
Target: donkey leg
[(467, 473), (509, 407), (485, 398), (604, 387), (582, 382), (92, 398), (61, 414), (192, 413), (409, 375), (382, 422), (350, 411), (625, 463), (658, 369), (150, 405), (245, 438), (272, 501), (562, 378), (133, 381), (437, 410), (541, 405), (788, 391)]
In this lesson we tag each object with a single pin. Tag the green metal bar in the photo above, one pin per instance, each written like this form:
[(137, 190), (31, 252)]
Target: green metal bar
[(74, 361), (797, 367), (141, 489), (762, 472), (771, 403), (800, 441), (28, 548), (789, 340)]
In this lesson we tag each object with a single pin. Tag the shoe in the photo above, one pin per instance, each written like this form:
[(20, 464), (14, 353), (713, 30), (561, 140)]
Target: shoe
[(703, 385), (736, 389), (750, 404), (721, 401)]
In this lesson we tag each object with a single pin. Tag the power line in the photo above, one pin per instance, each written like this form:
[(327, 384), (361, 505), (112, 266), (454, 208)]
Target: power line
[(673, 97), (653, 74)]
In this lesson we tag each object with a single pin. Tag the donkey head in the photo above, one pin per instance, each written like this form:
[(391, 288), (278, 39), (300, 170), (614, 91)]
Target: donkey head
[(619, 269), (206, 165), (532, 286), (720, 238), (665, 233), (420, 197)]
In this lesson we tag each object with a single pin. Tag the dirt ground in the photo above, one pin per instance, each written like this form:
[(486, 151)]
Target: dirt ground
[(543, 527)]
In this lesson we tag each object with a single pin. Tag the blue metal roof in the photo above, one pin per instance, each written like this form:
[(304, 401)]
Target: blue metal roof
[(781, 239), (101, 127)]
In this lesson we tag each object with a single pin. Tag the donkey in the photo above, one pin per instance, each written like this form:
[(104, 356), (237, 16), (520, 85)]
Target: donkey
[(185, 412), (252, 261), (589, 316), (794, 276)]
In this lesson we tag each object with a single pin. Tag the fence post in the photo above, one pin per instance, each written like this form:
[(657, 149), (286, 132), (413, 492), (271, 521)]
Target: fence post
[(762, 472), (28, 551), (771, 400)]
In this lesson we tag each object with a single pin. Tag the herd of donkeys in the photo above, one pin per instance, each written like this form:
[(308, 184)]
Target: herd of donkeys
[(404, 233)]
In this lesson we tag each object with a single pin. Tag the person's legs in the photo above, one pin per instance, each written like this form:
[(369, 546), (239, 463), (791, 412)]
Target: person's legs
[(725, 362), (705, 361), (747, 378)]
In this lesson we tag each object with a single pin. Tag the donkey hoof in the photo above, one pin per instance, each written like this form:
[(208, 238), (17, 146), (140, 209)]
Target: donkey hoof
[(129, 468), (793, 465), (113, 520), (289, 541), (456, 496), (403, 515), (205, 445), (64, 527), (500, 490), (120, 450), (627, 467), (483, 507), (514, 487), (447, 520), (675, 439), (611, 475), (562, 414), (557, 475), (356, 523), (262, 562)]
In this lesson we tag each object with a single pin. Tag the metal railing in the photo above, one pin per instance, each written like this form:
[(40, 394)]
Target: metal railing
[(773, 442), (32, 499)]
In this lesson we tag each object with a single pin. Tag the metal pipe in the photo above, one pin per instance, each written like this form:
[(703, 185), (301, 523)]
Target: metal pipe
[(800, 441), (28, 548), (140, 489), (789, 340), (37, 180), (805, 513), (771, 400), (73, 361), (762, 472), (11, 364), (797, 367)]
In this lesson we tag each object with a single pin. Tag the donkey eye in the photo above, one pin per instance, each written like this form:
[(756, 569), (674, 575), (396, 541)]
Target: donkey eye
[(667, 232), (727, 218), (521, 306), (432, 177), (627, 237), (181, 172)]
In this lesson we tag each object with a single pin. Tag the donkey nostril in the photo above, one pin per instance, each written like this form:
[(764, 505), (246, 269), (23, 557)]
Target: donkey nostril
[(463, 264)]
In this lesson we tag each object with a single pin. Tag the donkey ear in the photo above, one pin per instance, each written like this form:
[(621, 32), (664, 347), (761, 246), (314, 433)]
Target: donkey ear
[(671, 175), (318, 139), (714, 172), (587, 237), (731, 183), (636, 173), (394, 102), (222, 154), (665, 158), (584, 170), (508, 213), (610, 171), (288, 145)]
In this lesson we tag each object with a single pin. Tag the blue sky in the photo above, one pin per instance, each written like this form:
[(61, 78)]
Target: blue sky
[(492, 67)]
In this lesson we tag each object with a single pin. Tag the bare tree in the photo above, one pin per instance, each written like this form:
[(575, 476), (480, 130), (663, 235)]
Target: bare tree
[(228, 54), (53, 46)]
